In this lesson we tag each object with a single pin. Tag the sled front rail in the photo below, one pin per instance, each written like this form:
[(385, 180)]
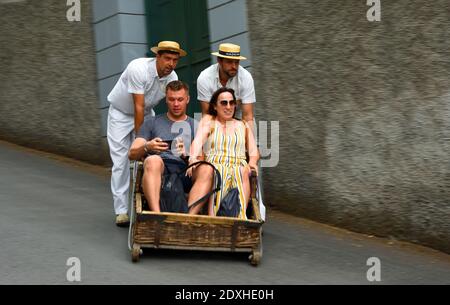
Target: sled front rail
[(196, 232)]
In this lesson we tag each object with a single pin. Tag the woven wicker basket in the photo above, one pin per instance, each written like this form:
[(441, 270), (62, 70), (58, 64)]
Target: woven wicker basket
[(194, 232)]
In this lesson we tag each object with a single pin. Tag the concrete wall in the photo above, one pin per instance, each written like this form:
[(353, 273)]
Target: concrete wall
[(364, 111), (48, 84)]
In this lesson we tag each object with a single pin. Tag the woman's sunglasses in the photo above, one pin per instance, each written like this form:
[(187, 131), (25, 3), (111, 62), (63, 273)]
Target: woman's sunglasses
[(225, 103)]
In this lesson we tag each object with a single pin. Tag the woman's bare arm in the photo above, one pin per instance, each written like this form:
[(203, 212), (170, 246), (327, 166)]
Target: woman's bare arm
[(203, 132)]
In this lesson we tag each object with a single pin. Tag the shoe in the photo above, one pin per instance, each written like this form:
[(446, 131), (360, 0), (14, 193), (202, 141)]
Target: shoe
[(122, 220)]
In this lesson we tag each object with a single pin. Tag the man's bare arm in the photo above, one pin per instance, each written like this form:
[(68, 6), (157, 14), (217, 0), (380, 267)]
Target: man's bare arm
[(205, 107), (139, 106), (140, 147), (247, 115), (137, 149)]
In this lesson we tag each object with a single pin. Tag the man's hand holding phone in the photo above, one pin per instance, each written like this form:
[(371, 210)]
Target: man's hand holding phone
[(157, 145)]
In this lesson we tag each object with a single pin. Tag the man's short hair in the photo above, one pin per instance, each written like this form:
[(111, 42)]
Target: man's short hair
[(177, 85)]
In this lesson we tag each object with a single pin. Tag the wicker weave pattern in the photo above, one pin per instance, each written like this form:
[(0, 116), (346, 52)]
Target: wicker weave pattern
[(173, 230), (195, 234)]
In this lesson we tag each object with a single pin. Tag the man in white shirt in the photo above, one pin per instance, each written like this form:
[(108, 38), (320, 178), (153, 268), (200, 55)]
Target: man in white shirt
[(140, 88), (228, 73)]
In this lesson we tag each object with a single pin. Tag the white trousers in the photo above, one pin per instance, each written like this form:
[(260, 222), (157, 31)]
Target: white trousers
[(120, 132)]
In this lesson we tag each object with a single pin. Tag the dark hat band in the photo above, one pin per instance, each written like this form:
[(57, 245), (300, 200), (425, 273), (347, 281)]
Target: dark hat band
[(237, 54)]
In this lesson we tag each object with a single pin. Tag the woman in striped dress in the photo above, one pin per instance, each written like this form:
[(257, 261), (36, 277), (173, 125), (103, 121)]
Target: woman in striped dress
[(227, 141)]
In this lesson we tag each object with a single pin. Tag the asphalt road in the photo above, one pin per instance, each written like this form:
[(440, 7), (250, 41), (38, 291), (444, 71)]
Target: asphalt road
[(53, 209)]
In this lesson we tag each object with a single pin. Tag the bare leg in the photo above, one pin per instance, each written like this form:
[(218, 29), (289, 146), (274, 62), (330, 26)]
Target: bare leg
[(211, 206), (203, 180), (151, 181), (245, 172)]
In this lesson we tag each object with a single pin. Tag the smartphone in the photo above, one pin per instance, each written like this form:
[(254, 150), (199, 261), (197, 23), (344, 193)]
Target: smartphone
[(169, 142)]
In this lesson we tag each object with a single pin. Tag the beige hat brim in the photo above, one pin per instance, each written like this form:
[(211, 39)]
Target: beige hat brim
[(229, 57), (180, 51)]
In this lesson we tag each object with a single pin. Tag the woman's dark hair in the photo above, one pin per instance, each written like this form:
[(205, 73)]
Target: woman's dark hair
[(215, 96)]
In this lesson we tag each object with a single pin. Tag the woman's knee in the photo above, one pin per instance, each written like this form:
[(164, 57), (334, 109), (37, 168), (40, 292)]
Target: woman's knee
[(204, 172)]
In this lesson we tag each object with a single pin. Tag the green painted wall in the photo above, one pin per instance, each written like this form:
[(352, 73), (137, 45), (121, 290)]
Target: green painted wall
[(186, 22)]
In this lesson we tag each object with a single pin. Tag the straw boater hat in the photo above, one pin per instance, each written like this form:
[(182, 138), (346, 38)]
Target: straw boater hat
[(169, 46), (229, 50)]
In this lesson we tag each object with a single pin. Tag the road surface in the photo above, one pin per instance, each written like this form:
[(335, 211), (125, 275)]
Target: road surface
[(54, 209)]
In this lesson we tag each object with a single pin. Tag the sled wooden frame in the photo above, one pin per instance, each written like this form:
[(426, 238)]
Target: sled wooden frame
[(192, 232)]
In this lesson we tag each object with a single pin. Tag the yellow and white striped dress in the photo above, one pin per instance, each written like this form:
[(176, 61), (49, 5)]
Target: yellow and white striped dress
[(227, 153)]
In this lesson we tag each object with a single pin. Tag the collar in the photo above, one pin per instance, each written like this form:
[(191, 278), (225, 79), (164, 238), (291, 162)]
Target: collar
[(217, 72), (170, 120)]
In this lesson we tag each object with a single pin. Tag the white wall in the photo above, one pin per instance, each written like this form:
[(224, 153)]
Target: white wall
[(120, 36)]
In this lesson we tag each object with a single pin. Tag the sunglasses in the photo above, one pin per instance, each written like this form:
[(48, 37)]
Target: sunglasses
[(225, 103)]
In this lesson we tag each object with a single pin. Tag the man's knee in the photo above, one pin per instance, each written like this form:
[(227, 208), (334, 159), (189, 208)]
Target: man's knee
[(153, 163)]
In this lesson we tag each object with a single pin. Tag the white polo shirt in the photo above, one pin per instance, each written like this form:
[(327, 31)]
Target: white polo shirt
[(140, 77), (208, 82)]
